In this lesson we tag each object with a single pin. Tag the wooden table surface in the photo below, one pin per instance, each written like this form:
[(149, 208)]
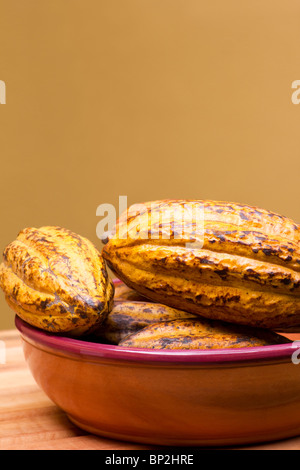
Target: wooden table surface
[(30, 421)]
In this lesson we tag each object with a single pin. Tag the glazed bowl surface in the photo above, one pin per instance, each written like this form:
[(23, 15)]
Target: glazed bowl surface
[(169, 397)]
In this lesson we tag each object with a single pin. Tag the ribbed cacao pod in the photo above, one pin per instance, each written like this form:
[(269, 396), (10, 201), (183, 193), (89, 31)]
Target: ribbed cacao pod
[(56, 280), (200, 334), (123, 292), (240, 264), (127, 317)]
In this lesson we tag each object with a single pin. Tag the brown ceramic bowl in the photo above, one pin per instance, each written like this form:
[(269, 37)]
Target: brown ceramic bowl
[(174, 398)]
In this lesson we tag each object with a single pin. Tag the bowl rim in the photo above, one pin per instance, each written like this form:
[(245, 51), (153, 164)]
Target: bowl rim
[(86, 350)]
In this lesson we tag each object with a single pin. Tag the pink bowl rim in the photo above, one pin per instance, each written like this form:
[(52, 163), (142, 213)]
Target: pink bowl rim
[(85, 350)]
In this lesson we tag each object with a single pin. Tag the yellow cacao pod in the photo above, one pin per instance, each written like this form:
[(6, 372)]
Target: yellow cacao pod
[(127, 317), (238, 263), (200, 334), (123, 292), (56, 280)]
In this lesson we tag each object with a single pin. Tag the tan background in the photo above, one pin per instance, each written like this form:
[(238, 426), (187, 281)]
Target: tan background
[(145, 98)]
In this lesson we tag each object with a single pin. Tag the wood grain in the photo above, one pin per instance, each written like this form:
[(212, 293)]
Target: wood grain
[(30, 421)]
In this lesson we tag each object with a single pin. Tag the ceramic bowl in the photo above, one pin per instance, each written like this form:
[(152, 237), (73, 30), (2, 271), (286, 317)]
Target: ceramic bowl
[(173, 398)]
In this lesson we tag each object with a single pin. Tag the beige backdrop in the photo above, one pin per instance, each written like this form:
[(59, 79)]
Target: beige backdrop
[(145, 98)]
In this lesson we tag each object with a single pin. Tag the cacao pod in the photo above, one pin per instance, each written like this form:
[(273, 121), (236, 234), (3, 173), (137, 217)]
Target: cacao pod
[(200, 334), (56, 280), (127, 317), (240, 265), (123, 292)]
